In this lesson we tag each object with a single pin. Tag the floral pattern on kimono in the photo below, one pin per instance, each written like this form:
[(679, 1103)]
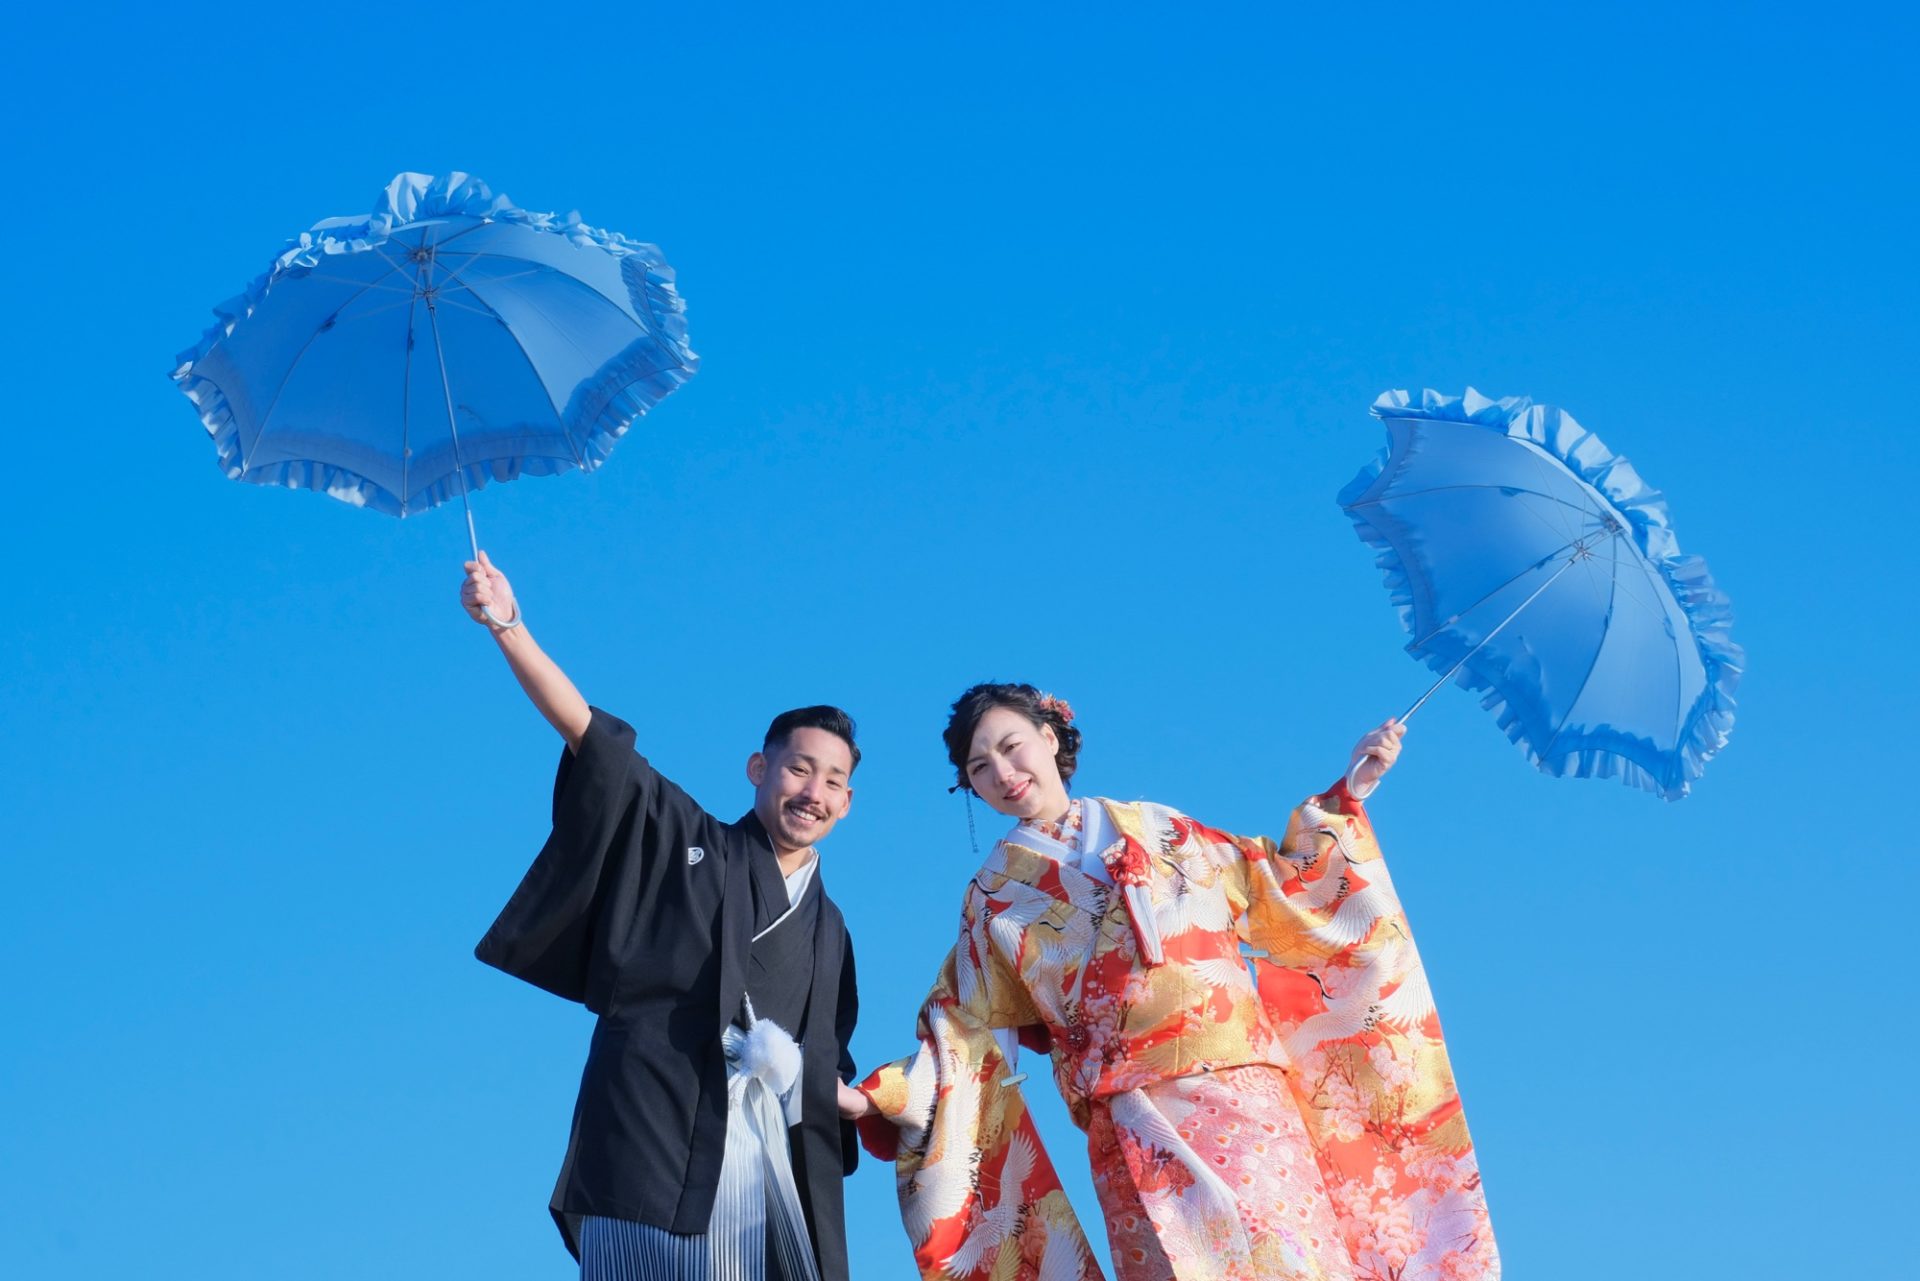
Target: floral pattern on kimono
[(1307, 1128)]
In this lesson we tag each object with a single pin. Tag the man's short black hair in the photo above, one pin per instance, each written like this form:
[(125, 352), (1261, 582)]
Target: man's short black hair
[(820, 716)]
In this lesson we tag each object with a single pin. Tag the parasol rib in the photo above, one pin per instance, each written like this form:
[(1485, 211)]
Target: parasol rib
[(1490, 635), (286, 376)]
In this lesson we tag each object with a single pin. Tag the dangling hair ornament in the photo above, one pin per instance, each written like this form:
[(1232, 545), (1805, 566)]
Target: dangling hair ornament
[(973, 837), (1058, 706)]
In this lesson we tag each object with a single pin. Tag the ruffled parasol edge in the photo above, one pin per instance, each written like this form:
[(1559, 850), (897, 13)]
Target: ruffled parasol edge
[(1708, 609), (626, 388)]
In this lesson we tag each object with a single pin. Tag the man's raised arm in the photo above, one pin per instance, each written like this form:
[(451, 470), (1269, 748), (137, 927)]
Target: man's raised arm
[(486, 588)]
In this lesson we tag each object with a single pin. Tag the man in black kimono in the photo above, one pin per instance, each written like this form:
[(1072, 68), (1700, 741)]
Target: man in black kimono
[(707, 949)]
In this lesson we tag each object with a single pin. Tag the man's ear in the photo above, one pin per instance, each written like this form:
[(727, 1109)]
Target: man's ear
[(846, 802), (756, 768)]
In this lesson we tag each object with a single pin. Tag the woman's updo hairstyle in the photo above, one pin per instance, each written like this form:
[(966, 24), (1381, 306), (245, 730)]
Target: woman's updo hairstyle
[(1038, 707)]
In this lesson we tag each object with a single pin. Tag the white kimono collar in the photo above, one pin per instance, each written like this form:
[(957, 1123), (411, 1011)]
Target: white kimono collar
[(1099, 833)]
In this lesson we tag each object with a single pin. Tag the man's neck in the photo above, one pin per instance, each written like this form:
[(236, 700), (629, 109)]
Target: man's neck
[(792, 861)]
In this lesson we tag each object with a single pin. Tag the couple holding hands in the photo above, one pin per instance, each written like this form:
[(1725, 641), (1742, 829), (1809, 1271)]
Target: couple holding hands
[(1298, 1121)]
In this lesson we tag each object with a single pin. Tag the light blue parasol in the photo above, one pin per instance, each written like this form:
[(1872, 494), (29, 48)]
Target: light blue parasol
[(1531, 564), (446, 340)]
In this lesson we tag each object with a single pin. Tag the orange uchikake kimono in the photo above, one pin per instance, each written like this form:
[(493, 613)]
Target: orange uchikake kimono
[(1309, 1129)]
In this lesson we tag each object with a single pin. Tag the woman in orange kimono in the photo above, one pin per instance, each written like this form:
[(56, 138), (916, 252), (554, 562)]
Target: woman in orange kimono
[(1305, 1128)]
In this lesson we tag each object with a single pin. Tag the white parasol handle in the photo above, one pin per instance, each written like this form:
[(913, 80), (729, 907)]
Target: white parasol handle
[(1353, 787)]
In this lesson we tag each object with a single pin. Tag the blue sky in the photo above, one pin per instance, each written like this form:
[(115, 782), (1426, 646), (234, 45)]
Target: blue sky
[(1034, 347)]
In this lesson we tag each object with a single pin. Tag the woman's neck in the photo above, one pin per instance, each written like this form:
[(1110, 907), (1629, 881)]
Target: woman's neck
[(1057, 816)]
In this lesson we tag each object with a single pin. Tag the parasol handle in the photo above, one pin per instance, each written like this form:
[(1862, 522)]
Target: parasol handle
[(1353, 788), (494, 621)]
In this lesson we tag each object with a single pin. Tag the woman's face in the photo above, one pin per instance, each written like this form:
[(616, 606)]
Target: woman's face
[(1011, 766)]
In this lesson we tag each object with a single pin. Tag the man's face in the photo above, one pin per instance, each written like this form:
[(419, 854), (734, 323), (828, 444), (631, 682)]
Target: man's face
[(801, 789)]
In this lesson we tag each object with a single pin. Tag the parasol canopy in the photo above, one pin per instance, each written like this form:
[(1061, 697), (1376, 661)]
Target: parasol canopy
[(1534, 566), (446, 340)]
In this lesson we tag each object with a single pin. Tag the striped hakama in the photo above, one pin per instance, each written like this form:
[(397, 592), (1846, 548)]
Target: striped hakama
[(758, 1231)]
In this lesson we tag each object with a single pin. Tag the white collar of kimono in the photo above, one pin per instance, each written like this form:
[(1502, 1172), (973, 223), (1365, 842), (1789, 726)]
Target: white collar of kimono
[(802, 877), (796, 887), (1096, 834)]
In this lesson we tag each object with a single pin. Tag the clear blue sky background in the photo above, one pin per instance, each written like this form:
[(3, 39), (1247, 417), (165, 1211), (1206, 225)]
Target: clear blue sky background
[(1035, 346)]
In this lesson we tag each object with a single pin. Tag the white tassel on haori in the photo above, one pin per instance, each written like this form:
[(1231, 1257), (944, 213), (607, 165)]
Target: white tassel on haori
[(771, 1056)]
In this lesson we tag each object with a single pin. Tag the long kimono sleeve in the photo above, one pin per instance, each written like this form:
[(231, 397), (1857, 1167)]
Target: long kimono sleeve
[(548, 933), (978, 1196), (1344, 988)]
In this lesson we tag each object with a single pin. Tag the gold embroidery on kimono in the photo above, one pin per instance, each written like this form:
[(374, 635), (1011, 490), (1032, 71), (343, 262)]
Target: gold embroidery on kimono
[(1308, 1128)]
